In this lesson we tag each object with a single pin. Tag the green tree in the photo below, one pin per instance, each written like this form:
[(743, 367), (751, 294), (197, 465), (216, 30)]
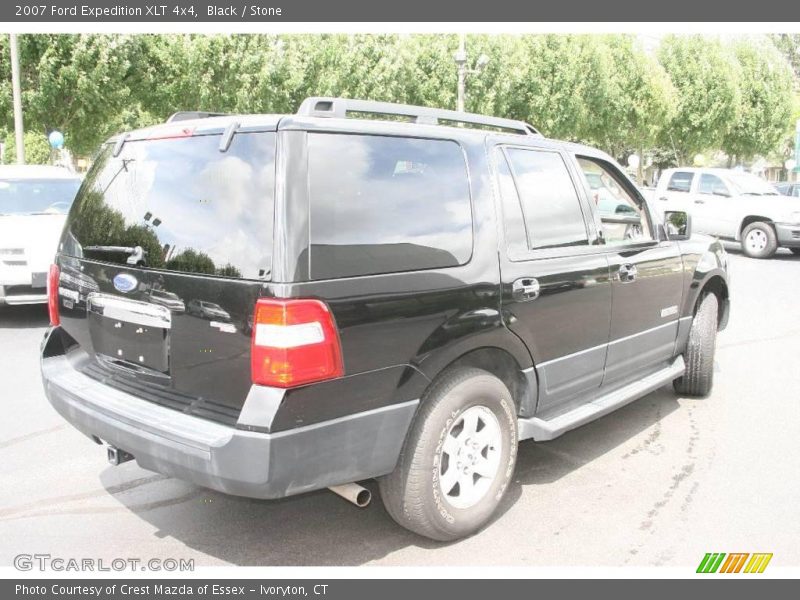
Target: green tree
[(37, 148), (765, 108), (789, 45), (704, 74)]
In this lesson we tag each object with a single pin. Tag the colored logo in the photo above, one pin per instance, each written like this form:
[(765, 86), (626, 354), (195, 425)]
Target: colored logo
[(125, 283), (736, 562)]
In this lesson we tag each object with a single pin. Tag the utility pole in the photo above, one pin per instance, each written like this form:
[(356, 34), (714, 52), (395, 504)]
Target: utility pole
[(460, 58), (18, 130)]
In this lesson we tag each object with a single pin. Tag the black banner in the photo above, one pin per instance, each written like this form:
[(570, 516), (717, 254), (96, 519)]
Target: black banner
[(463, 11), (385, 589)]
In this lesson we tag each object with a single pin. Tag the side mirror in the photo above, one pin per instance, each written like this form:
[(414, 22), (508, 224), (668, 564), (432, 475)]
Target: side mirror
[(678, 225)]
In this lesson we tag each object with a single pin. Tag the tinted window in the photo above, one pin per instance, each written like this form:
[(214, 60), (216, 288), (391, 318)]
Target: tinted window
[(622, 217), (37, 196), (711, 184), (552, 210), (385, 204), (191, 207), (513, 220), (680, 182)]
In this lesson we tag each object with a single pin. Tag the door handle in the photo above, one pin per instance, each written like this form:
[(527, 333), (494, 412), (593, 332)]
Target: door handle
[(663, 198), (699, 201), (628, 273), (525, 288)]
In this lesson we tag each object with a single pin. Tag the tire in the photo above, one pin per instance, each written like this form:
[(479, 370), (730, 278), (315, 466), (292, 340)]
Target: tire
[(424, 492), (759, 240), (795, 251), (698, 378)]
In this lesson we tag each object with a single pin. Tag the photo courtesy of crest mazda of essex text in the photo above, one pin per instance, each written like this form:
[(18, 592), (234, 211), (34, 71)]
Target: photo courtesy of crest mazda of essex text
[(399, 299)]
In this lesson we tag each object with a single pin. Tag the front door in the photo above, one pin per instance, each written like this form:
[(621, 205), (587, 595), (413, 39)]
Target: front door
[(646, 276), (556, 286)]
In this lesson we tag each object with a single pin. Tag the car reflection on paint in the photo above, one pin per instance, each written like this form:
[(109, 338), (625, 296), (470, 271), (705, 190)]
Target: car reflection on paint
[(168, 300), (207, 310)]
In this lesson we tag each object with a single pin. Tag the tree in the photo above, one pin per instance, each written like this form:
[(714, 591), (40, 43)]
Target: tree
[(789, 46), (37, 148), (765, 107), (704, 74)]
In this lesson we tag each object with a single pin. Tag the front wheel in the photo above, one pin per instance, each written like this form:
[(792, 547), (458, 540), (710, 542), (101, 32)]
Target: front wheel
[(458, 458), (759, 240), (698, 378)]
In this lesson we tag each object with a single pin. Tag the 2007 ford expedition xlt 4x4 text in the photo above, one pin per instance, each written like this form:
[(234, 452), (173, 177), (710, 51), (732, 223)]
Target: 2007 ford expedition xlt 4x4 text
[(267, 305)]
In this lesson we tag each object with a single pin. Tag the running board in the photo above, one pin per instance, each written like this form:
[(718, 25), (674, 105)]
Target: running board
[(542, 430)]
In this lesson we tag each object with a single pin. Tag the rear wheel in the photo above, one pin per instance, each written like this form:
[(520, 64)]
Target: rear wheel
[(698, 378), (458, 459), (759, 240)]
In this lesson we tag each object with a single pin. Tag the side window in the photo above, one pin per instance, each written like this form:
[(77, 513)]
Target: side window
[(711, 184), (383, 204), (550, 203), (623, 219), (680, 182)]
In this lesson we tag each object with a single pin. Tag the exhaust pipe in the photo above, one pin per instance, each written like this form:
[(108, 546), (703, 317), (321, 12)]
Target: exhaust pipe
[(352, 492), (117, 457)]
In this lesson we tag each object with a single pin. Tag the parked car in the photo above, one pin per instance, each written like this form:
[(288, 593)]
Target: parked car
[(788, 189), (34, 201), (208, 310), (422, 295), (733, 205)]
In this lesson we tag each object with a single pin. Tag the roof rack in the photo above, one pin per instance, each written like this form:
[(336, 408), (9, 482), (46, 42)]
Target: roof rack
[(341, 108), (186, 115)]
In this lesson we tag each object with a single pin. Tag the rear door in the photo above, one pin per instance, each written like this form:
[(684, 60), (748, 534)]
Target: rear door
[(646, 275), (165, 252), (713, 207), (556, 289)]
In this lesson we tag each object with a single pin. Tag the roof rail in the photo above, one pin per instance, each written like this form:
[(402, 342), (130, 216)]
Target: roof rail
[(341, 107), (186, 115)]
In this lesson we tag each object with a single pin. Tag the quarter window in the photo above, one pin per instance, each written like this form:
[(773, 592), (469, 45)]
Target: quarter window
[(711, 184), (386, 204)]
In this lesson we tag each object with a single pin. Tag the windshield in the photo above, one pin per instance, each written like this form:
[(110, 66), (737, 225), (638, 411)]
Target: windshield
[(747, 184), (37, 196)]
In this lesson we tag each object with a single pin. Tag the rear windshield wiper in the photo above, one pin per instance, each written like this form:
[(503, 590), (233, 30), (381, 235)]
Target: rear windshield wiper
[(135, 254)]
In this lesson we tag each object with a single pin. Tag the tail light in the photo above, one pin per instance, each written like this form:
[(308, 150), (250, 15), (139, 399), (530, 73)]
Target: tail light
[(294, 342), (52, 295)]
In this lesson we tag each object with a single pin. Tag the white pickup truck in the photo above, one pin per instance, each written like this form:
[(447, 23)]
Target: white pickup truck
[(732, 205)]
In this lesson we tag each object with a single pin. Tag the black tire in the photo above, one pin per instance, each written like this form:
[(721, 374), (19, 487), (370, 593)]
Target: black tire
[(698, 378), (413, 493), (795, 251), (765, 240)]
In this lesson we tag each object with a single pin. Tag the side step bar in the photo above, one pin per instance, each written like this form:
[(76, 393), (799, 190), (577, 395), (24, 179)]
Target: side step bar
[(542, 430)]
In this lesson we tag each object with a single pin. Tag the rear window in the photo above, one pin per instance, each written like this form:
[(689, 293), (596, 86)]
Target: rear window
[(190, 207), (37, 196), (386, 204)]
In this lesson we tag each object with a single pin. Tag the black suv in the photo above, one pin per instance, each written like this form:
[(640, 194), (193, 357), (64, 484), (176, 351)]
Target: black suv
[(271, 304)]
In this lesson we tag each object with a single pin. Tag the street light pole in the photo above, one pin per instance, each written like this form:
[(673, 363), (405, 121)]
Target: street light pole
[(18, 130), (461, 62), (460, 58)]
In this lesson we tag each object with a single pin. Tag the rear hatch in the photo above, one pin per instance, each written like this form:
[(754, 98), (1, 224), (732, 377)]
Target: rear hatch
[(164, 254)]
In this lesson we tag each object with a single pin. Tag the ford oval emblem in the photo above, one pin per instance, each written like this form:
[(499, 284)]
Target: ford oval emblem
[(125, 283)]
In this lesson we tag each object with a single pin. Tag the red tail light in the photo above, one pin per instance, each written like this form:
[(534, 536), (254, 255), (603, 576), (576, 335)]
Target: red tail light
[(294, 342), (52, 295)]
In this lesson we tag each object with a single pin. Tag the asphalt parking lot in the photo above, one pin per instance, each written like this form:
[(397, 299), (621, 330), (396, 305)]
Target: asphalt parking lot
[(660, 482)]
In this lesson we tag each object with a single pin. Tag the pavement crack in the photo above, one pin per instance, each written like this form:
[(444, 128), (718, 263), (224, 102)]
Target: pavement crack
[(31, 435)]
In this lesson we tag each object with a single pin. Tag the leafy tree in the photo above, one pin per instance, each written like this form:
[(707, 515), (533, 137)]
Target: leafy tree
[(765, 109), (37, 148), (789, 45), (705, 77)]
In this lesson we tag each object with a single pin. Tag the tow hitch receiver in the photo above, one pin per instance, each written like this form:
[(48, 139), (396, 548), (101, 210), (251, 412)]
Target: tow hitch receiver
[(117, 456)]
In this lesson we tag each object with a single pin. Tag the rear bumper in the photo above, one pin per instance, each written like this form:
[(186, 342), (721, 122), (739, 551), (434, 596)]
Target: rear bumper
[(788, 235), (231, 460)]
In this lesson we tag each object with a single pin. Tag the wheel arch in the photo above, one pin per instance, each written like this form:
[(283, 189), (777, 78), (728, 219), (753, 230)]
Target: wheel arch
[(750, 219)]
